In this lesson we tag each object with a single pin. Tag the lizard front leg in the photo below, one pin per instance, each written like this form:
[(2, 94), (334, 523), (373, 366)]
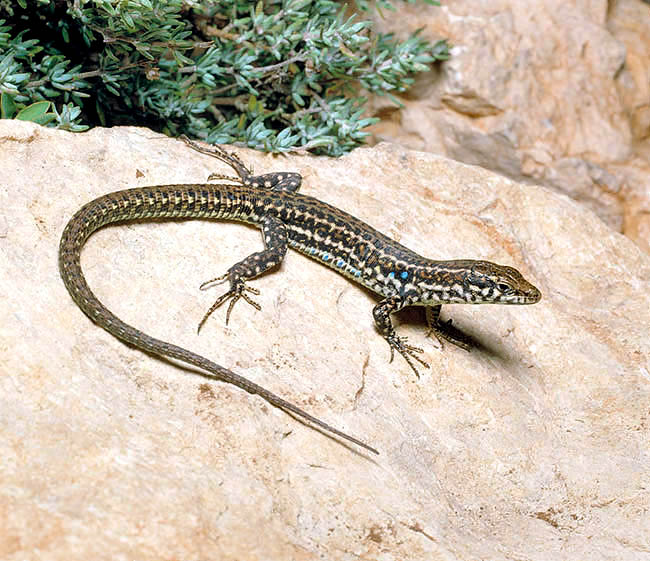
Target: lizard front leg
[(381, 313), (275, 248), (440, 330)]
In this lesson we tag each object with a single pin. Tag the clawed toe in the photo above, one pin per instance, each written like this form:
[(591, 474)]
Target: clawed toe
[(238, 289), (409, 352), (445, 330), (440, 335)]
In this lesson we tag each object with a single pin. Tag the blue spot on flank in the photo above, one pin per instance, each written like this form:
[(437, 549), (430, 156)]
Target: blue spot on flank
[(391, 275), (326, 256), (312, 251), (404, 275), (340, 263), (357, 273)]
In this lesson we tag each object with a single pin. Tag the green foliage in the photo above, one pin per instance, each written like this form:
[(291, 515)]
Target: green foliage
[(276, 75), (387, 5)]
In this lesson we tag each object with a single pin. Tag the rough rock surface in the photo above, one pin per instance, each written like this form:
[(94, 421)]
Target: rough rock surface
[(533, 446), (553, 92)]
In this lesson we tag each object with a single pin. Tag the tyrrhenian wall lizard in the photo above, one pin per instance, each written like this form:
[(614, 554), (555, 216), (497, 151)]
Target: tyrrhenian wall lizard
[(289, 219)]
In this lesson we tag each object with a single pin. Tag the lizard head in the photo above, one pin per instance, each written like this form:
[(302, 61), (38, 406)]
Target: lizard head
[(498, 284)]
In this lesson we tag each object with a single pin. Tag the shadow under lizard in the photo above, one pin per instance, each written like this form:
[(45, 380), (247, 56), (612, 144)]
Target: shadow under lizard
[(289, 219)]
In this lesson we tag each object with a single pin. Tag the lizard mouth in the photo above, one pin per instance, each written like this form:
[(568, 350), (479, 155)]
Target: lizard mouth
[(532, 296)]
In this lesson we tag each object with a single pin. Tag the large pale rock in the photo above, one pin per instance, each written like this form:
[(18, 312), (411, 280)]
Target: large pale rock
[(550, 92), (629, 21), (532, 446)]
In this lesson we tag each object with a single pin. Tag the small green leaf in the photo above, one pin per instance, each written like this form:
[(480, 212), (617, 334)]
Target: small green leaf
[(7, 106), (100, 113), (34, 111), (44, 119)]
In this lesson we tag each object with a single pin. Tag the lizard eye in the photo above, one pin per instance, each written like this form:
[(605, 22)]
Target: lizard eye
[(502, 287)]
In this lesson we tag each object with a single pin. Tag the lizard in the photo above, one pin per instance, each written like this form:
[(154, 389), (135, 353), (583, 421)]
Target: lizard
[(289, 219)]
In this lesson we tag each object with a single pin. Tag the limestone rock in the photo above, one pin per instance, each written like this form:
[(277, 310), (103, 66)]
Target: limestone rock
[(532, 446), (553, 93)]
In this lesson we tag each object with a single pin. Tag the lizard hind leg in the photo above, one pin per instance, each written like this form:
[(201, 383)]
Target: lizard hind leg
[(237, 290), (277, 181), (243, 172), (275, 248)]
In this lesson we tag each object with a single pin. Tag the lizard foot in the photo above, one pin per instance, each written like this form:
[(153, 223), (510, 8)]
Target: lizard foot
[(444, 330), (407, 351), (237, 290)]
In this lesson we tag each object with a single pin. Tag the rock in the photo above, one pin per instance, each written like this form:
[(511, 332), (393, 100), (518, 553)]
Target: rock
[(629, 21), (553, 93), (534, 445)]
